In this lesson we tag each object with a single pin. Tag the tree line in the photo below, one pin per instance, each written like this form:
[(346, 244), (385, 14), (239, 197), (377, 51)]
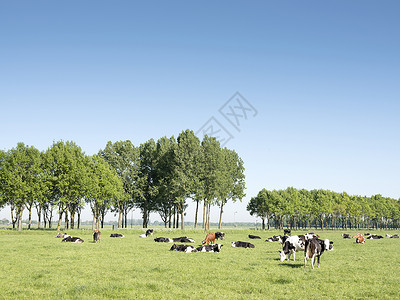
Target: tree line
[(324, 209), (156, 176)]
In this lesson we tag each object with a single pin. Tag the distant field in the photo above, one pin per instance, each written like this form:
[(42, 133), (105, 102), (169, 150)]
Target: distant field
[(34, 264)]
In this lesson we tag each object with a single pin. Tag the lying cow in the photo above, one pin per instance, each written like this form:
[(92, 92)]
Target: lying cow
[(71, 239), (374, 237), (220, 235), (294, 243), (359, 238), (62, 235), (314, 249), (163, 240), (242, 244), (210, 248), (210, 239), (254, 237), (395, 236), (346, 236), (183, 248), (148, 232), (96, 236), (183, 239), (287, 232), (117, 235), (274, 239)]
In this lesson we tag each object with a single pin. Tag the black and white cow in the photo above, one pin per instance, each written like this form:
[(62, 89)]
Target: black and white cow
[(294, 243), (183, 239), (163, 240), (71, 239), (394, 236), (274, 239), (374, 237), (314, 248), (287, 232), (220, 235), (254, 237), (242, 244), (62, 235), (210, 248), (149, 232), (346, 236), (117, 235), (183, 248)]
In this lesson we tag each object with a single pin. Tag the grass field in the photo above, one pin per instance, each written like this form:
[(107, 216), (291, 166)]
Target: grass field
[(36, 265)]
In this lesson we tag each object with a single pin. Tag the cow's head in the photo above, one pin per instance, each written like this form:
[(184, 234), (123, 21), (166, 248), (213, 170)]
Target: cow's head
[(328, 245), (283, 255)]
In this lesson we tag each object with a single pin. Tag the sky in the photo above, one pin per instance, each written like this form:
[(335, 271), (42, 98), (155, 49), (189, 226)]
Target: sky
[(308, 92)]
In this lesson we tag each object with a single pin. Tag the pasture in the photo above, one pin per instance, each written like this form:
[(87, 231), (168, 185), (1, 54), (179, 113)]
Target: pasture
[(34, 264)]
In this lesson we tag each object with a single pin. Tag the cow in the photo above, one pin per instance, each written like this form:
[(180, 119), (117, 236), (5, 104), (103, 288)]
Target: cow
[(163, 240), (374, 237), (210, 239), (183, 239), (210, 248), (314, 248), (183, 248), (117, 235), (62, 235), (395, 236), (149, 232), (346, 236), (294, 243), (287, 232), (274, 239), (96, 236), (254, 237), (359, 238), (72, 239), (242, 244), (220, 235)]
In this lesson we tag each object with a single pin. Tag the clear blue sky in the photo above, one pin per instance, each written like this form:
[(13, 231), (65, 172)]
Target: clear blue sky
[(323, 77)]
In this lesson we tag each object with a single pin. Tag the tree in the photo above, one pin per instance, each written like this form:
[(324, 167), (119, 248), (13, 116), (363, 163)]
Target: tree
[(104, 185), (261, 206), (123, 157), (185, 169), (231, 178), (66, 164)]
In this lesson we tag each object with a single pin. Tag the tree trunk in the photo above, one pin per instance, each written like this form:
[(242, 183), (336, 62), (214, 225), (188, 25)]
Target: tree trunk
[(119, 218), (195, 216), (39, 213), (208, 217), (204, 215), (220, 215), (263, 223), (183, 217), (30, 218), (59, 220)]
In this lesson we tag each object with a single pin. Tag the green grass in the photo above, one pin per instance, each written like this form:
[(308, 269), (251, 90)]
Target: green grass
[(35, 264)]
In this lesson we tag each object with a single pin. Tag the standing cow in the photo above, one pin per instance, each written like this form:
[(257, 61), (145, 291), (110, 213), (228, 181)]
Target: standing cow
[(96, 236), (210, 239)]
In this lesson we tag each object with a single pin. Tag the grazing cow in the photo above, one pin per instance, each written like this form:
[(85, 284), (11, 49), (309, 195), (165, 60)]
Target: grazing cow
[(163, 240), (374, 237), (274, 239), (210, 248), (62, 235), (242, 244), (359, 238), (210, 239), (117, 235), (96, 236), (183, 248), (254, 237), (314, 249), (294, 243), (72, 239), (346, 236), (220, 235), (287, 232)]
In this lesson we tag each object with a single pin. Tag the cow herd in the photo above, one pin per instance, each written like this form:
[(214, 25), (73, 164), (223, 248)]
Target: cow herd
[(310, 243)]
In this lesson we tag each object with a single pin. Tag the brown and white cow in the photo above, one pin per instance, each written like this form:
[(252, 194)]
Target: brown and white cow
[(360, 239), (210, 239), (96, 236), (314, 249)]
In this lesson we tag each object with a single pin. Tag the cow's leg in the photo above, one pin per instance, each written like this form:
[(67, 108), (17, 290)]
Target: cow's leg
[(305, 260), (313, 261), (318, 260), (294, 255)]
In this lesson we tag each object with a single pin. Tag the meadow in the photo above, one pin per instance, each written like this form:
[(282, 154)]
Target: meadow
[(36, 265)]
